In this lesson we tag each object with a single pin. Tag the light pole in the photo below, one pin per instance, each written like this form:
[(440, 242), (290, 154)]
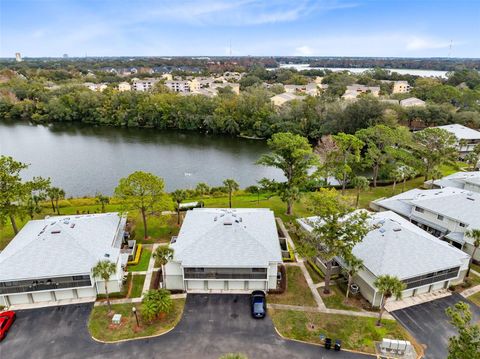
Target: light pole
[(134, 310)]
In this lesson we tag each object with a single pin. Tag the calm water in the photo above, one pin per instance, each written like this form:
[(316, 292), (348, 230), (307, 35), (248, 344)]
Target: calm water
[(83, 160)]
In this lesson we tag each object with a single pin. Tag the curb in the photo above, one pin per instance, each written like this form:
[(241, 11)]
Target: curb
[(130, 339), (320, 345)]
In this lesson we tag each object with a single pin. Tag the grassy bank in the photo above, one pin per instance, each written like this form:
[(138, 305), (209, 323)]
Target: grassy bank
[(101, 327), (162, 228)]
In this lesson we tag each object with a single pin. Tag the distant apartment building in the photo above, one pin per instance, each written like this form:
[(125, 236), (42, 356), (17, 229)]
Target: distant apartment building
[(400, 87), (95, 87), (124, 86), (354, 90), (412, 101), (312, 89), (18, 57), (143, 84), (178, 85), (283, 98)]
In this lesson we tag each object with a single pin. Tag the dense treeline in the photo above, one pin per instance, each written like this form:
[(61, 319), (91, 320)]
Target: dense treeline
[(251, 113)]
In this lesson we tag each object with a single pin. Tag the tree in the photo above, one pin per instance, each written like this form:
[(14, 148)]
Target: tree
[(155, 302), (346, 153), (360, 183), (16, 196), (178, 197), (254, 190), (105, 269), (389, 286), (435, 147), (294, 156), (338, 229), (102, 200), (142, 191), (471, 159), (231, 187), (409, 173), (467, 344), (354, 264), (162, 255), (202, 189), (379, 140), (233, 356), (397, 175), (55, 194), (35, 192), (475, 235)]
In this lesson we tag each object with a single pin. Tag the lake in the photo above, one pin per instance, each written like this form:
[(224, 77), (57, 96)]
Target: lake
[(416, 72), (84, 159)]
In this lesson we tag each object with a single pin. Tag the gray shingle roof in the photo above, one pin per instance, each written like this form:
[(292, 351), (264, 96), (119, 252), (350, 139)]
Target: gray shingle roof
[(240, 237), (462, 132), (63, 245), (398, 247)]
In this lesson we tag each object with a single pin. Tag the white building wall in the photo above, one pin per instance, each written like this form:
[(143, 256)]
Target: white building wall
[(174, 276)]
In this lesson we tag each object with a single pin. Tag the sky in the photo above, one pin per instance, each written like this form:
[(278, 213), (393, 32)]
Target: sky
[(397, 28)]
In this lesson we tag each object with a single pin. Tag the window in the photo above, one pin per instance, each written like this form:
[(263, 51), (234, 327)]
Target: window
[(418, 209), (440, 217)]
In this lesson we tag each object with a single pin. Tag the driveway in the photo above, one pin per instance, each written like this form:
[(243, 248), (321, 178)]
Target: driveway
[(428, 323), (211, 326)]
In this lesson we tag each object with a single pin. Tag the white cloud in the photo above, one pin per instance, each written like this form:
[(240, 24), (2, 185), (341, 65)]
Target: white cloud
[(304, 51), (425, 43)]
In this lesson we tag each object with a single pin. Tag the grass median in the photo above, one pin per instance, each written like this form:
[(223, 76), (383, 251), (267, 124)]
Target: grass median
[(101, 328)]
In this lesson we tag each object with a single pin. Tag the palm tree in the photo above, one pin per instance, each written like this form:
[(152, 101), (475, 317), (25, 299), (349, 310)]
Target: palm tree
[(105, 269), (202, 189), (103, 200), (163, 254), (60, 195), (389, 286), (178, 196), (52, 193), (231, 185), (397, 174), (436, 174), (410, 173), (354, 264), (475, 235), (360, 183)]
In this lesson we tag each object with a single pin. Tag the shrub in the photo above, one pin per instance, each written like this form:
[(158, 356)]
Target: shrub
[(156, 302)]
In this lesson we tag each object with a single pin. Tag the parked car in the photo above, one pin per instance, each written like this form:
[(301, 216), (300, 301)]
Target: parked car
[(6, 320), (259, 304)]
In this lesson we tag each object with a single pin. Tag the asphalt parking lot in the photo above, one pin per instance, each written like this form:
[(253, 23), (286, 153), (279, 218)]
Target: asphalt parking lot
[(429, 324), (212, 325)]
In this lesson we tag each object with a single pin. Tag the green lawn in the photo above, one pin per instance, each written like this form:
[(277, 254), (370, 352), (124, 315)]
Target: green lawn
[(100, 326), (297, 293), (316, 277), (356, 333), (476, 267), (336, 299), (137, 285), (143, 262), (161, 228), (475, 298)]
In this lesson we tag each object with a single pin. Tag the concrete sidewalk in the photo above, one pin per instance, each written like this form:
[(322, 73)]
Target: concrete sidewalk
[(393, 305)]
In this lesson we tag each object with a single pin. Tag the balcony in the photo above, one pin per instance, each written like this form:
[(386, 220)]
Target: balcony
[(43, 286)]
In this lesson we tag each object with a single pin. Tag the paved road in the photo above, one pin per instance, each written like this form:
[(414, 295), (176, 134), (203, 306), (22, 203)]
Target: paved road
[(429, 324), (211, 326)]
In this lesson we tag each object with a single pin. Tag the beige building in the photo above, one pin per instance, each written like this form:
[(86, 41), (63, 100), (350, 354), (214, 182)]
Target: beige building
[(95, 87), (412, 101), (400, 87), (143, 84), (124, 86), (354, 90), (279, 100)]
